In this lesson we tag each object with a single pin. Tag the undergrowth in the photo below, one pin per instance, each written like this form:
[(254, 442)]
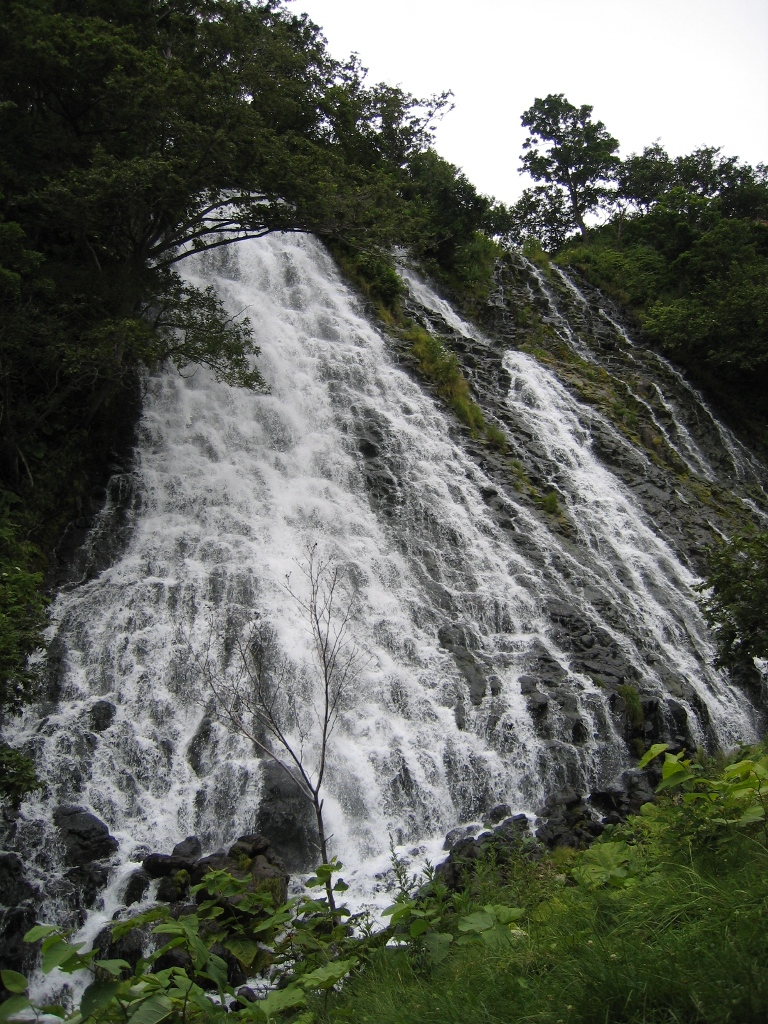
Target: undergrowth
[(661, 921)]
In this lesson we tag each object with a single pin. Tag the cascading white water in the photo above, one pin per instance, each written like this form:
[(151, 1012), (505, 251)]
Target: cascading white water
[(348, 452)]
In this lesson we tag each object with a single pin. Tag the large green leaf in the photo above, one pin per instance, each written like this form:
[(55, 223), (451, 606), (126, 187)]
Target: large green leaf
[(282, 999), (112, 966), (40, 931), (418, 927), (244, 949), (752, 814), (152, 1010), (15, 1005), (327, 976), (504, 915), (654, 751), (56, 953), (477, 922), (438, 945), (14, 981), (97, 995)]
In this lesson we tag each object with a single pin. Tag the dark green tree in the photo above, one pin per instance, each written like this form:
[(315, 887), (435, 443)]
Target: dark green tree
[(568, 149), (735, 599), (544, 213), (642, 178), (136, 133)]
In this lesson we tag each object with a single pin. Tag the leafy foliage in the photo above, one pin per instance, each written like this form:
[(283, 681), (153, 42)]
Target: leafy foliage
[(17, 776), (662, 919), (575, 156), (735, 598)]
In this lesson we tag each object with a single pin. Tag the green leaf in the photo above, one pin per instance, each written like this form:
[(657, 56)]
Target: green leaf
[(12, 1006), (327, 976), (244, 949), (97, 995), (14, 981), (418, 928), (153, 914), (282, 999), (152, 1010), (654, 751), (477, 922), (340, 886), (505, 915), (752, 814), (40, 931), (438, 945), (113, 967), (675, 778), (58, 953)]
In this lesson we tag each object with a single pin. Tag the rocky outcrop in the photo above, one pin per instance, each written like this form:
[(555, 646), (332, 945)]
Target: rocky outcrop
[(85, 838), (287, 819)]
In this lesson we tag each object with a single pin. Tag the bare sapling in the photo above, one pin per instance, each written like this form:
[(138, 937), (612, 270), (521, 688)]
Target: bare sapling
[(254, 689)]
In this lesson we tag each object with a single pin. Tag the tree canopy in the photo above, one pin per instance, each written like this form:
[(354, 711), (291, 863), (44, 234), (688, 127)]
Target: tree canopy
[(570, 152)]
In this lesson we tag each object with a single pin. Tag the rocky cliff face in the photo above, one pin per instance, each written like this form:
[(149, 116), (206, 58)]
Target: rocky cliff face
[(694, 481)]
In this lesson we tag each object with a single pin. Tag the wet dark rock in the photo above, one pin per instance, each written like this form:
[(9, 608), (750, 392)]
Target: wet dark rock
[(15, 922), (163, 865), (13, 887), (131, 947), (458, 634), (200, 746), (177, 957), (537, 702), (568, 820), (249, 846), (265, 870), (188, 849), (85, 837), (172, 889), (286, 818), (510, 835), (88, 882), (137, 886), (627, 795), (460, 640), (101, 714), (246, 993), (498, 813)]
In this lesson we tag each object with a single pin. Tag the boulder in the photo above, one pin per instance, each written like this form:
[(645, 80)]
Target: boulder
[(14, 888), (137, 886), (101, 715), (189, 849), (287, 820), (85, 837), (163, 865)]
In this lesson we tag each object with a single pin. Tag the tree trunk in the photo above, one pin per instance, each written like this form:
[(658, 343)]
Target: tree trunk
[(318, 805)]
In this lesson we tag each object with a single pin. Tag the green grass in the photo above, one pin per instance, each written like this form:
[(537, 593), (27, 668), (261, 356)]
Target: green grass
[(682, 946)]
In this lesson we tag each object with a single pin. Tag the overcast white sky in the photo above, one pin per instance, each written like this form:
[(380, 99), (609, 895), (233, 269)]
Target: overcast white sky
[(690, 72)]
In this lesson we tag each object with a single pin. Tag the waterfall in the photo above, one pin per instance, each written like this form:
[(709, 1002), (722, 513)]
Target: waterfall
[(495, 634)]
